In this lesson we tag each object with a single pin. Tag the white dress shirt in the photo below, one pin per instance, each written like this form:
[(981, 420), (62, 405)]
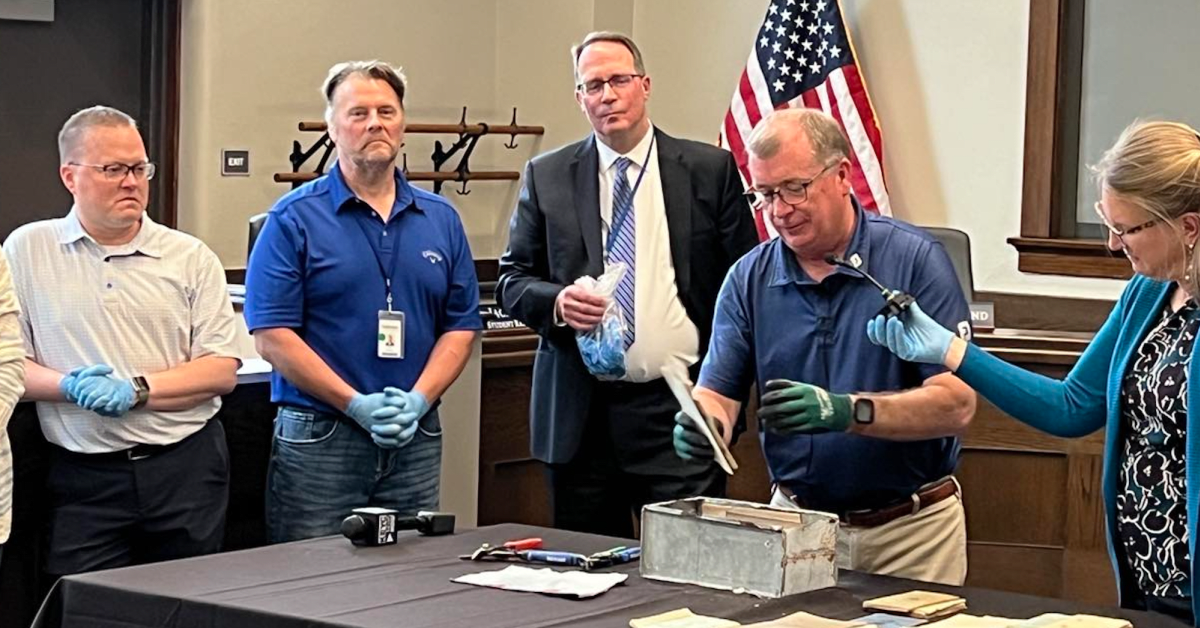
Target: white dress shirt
[(664, 333)]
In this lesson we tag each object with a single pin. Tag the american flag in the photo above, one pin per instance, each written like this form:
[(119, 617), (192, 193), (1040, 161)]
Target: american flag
[(802, 57)]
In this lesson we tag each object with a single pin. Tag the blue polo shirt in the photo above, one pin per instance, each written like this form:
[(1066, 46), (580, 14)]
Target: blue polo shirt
[(773, 321), (314, 269)]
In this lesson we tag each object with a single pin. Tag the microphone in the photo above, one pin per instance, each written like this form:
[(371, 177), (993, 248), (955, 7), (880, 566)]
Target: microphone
[(895, 300), (373, 527)]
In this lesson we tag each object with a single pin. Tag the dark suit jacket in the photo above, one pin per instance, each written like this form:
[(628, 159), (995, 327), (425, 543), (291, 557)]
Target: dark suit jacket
[(555, 238)]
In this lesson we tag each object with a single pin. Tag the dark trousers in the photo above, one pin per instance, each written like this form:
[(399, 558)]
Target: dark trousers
[(626, 461), (108, 510), (1178, 607)]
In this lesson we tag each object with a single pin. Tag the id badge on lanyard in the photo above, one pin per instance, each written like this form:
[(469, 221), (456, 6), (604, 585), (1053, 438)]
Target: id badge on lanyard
[(389, 335), (390, 344)]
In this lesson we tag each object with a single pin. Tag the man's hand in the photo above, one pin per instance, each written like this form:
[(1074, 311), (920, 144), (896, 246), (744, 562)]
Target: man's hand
[(366, 410), (95, 389), (913, 336), (67, 384), (579, 308), (399, 429), (794, 408), (689, 443)]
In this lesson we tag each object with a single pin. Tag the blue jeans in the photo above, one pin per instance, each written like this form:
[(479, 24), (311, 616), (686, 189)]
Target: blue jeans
[(324, 465)]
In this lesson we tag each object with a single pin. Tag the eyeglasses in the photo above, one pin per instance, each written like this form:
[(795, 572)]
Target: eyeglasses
[(791, 192), (617, 81), (117, 172), (1121, 233)]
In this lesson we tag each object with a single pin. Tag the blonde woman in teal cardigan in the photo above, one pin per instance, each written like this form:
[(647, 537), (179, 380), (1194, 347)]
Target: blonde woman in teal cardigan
[(1134, 379)]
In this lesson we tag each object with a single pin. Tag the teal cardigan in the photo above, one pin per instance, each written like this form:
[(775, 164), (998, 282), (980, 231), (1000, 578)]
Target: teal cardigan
[(1090, 398)]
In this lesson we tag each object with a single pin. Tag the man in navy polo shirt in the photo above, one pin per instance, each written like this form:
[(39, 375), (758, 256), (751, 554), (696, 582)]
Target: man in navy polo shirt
[(361, 293), (846, 427)]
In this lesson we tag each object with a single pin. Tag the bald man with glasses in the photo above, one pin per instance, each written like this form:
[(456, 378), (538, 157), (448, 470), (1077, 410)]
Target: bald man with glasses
[(129, 340)]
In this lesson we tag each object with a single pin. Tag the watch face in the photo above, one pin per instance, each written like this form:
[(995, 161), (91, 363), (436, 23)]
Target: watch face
[(864, 411)]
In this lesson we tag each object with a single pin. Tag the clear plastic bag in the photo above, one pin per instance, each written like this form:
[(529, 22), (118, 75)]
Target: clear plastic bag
[(603, 346)]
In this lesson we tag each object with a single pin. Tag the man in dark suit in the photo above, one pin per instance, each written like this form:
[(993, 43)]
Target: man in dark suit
[(674, 212)]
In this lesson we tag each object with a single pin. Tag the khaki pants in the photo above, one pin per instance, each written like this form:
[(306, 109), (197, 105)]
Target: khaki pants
[(930, 545)]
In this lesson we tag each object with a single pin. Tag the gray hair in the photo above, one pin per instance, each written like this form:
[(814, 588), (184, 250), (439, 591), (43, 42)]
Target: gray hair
[(829, 144), (1156, 166), (639, 65), (374, 69), (82, 121)]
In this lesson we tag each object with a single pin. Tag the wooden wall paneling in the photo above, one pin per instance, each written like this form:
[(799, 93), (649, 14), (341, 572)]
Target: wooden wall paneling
[(1031, 570), (1087, 569), (993, 429), (1087, 576), (1035, 311), (512, 485), (1015, 497), (1085, 503)]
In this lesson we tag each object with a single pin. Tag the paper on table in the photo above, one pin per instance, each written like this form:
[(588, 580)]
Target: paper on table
[(887, 620), (577, 584), (806, 620), (681, 618), (1056, 620), (962, 620), (681, 385)]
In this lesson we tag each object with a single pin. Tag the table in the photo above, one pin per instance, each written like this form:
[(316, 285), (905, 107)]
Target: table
[(329, 582)]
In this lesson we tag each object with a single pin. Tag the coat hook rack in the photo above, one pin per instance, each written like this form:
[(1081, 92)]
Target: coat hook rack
[(468, 138)]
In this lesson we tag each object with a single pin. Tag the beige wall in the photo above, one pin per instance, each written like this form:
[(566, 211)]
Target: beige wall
[(947, 78)]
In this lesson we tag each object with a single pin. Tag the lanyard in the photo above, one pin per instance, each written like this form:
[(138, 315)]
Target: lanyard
[(387, 277), (619, 221)]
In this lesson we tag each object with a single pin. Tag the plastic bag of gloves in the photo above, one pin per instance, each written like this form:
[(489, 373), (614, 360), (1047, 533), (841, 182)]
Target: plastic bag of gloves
[(603, 346)]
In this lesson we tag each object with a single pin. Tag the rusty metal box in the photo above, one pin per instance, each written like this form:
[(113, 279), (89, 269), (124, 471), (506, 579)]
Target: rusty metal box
[(739, 546)]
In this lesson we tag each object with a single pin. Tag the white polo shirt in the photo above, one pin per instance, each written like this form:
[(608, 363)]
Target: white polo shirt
[(150, 305)]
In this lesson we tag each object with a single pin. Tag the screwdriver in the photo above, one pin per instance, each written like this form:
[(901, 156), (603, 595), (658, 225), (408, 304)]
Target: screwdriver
[(553, 558)]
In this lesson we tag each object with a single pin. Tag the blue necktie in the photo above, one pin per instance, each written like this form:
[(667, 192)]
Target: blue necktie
[(624, 244)]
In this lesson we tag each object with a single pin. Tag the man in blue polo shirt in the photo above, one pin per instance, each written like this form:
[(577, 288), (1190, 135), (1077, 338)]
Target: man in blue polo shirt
[(846, 427), (361, 293)]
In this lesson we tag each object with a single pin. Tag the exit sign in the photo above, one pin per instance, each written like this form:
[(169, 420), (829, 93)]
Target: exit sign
[(235, 163)]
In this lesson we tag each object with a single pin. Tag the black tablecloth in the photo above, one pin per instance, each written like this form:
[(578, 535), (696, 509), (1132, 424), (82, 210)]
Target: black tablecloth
[(327, 581)]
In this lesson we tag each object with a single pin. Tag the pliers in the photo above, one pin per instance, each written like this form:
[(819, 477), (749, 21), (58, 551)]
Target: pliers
[(509, 550), (614, 556)]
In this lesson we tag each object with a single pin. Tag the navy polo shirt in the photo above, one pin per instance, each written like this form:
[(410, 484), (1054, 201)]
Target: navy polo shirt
[(774, 322), (314, 270)]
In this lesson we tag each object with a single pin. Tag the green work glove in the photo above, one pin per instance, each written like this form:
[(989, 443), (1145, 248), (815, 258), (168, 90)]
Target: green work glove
[(789, 407), (689, 443)]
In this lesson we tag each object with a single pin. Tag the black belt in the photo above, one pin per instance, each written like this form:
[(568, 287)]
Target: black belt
[(137, 452)]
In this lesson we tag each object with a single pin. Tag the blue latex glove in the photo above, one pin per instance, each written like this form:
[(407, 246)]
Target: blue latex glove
[(67, 384), (689, 443), (366, 410), (398, 430), (912, 336), (102, 393)]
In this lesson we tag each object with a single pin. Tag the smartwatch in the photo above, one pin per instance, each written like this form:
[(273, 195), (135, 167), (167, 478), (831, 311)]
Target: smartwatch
[(141, 391), (864, 411)]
